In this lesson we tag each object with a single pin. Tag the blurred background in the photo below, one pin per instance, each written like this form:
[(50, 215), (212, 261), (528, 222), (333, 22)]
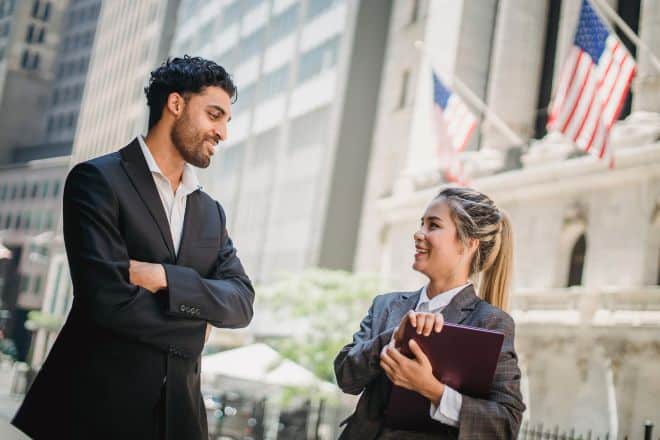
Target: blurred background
[(331, 159)]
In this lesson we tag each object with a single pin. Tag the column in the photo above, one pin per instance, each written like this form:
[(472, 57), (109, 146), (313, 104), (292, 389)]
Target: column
[(515, 69), (647, 84)]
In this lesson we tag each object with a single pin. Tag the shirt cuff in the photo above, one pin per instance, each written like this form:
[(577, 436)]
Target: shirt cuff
[(449, 409)]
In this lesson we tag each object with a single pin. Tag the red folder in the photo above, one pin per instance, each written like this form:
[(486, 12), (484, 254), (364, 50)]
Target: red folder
[(462, 357)]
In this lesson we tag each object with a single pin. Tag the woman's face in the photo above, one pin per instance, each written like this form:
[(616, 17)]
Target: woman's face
[(439, 254)]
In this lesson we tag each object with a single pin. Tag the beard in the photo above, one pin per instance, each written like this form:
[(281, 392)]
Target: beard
[(189, 142)]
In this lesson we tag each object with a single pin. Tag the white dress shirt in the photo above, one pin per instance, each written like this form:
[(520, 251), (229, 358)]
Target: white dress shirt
[(450, 403), (174, 202)]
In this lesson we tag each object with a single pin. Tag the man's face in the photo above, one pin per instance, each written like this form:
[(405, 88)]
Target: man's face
[(202, 125)]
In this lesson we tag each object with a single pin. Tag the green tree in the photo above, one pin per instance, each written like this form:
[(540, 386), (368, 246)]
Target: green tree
[(332, 302)]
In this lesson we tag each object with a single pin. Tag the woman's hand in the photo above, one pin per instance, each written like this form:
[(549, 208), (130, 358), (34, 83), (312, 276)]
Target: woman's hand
[(414, 374), (423, 322)]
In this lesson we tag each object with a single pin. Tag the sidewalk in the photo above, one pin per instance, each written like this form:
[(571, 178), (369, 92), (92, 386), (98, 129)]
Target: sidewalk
[(8, 405)]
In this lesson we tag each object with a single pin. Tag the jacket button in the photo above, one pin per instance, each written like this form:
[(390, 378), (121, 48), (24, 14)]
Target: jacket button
[(182, 308)]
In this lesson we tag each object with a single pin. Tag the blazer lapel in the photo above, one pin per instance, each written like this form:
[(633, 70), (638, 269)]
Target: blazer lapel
[(461, 305), (189, 219), (402, 305), (138, 172)]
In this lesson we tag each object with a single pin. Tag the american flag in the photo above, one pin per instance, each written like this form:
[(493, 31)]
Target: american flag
[(454, 123), (594, 85)]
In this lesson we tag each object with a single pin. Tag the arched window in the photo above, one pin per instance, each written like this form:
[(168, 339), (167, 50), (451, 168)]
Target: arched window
[(577, 262), (657, 282)]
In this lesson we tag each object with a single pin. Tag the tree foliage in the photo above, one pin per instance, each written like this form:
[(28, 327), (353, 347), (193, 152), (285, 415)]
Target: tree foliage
[(332, 302)]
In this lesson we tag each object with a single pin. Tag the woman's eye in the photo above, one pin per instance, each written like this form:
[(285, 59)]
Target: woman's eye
[(213, 116)]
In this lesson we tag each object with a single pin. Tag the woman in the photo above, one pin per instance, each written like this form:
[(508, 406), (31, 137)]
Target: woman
[(462, 235)]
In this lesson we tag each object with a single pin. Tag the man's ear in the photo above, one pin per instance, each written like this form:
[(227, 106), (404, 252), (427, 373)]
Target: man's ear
[(175, 104)]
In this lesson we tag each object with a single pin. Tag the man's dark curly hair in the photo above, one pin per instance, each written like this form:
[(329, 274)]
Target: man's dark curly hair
[(184, 75)]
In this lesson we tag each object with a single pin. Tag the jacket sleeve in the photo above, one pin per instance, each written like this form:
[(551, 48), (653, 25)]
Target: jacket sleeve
[(499, 416), (99, 262), (225, 299), (358, 363)]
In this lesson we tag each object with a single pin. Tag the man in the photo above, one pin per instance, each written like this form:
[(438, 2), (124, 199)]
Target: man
[(151, 265)]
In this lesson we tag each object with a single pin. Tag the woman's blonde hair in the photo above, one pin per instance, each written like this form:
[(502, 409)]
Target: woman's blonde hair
[(477, 217)]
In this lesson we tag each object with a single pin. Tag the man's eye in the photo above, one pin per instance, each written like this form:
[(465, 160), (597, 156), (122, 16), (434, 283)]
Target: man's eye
[(213, 116)]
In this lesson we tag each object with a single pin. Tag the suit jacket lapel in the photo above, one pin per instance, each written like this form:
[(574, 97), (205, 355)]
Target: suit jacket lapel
[(461, 305), (190, 217), (136, 167), (401, 305)]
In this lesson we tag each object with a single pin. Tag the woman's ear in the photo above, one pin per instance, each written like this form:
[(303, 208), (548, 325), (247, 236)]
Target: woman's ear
[(473, 245)]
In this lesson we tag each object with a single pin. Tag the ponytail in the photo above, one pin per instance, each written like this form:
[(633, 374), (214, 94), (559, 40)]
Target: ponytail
[(497, 272)]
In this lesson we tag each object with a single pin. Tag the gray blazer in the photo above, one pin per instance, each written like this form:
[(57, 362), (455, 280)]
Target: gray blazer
[(357, 368)]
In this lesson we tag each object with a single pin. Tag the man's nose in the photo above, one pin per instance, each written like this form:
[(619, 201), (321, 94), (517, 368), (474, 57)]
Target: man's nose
[(220, 132)]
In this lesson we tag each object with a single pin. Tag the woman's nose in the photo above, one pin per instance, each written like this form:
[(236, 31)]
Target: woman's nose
[(418, 235)]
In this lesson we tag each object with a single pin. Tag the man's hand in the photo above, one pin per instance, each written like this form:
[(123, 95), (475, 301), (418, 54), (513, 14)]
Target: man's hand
[(147, 275), (413, 374), (423, 322)]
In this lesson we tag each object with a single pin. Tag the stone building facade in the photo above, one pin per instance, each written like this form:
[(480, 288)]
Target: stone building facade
[(586, 298)]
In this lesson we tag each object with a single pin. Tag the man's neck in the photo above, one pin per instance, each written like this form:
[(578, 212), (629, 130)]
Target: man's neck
[(166, 156)]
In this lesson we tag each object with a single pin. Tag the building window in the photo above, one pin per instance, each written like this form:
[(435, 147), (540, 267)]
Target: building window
[(274, 83), (49, 221), (629, 11), (252, 44), (232, 13), (231, 161), (24, 59), (577, 262), (284, 24), (35, 9), (23, 283), (42, 35), (56, 189), (35, 189), (548, 69), (29, 37), (37, 285), (265, 147), (317, 60), (403, 94), (245, 99), (414, 12), (317, 7), (46, 13), (308, 130)]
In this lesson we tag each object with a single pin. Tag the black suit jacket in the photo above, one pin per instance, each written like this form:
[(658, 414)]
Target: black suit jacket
[(357, 368), (105, 375)]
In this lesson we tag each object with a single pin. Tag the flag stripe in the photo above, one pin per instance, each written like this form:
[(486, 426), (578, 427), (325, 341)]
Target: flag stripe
[(454, 123), (594, 84)]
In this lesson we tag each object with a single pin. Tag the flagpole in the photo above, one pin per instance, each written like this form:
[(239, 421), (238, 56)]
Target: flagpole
[(470, 96), (610, 13)]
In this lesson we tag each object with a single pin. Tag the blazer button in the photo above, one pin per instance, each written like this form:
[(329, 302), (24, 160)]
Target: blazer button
[(182, 308)]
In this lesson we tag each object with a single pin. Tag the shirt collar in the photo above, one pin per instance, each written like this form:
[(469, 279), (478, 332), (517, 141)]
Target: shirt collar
[(441, 300), (189, 181)]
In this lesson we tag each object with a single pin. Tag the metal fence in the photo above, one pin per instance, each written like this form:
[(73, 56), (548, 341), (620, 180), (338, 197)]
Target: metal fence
[(539, 432)]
